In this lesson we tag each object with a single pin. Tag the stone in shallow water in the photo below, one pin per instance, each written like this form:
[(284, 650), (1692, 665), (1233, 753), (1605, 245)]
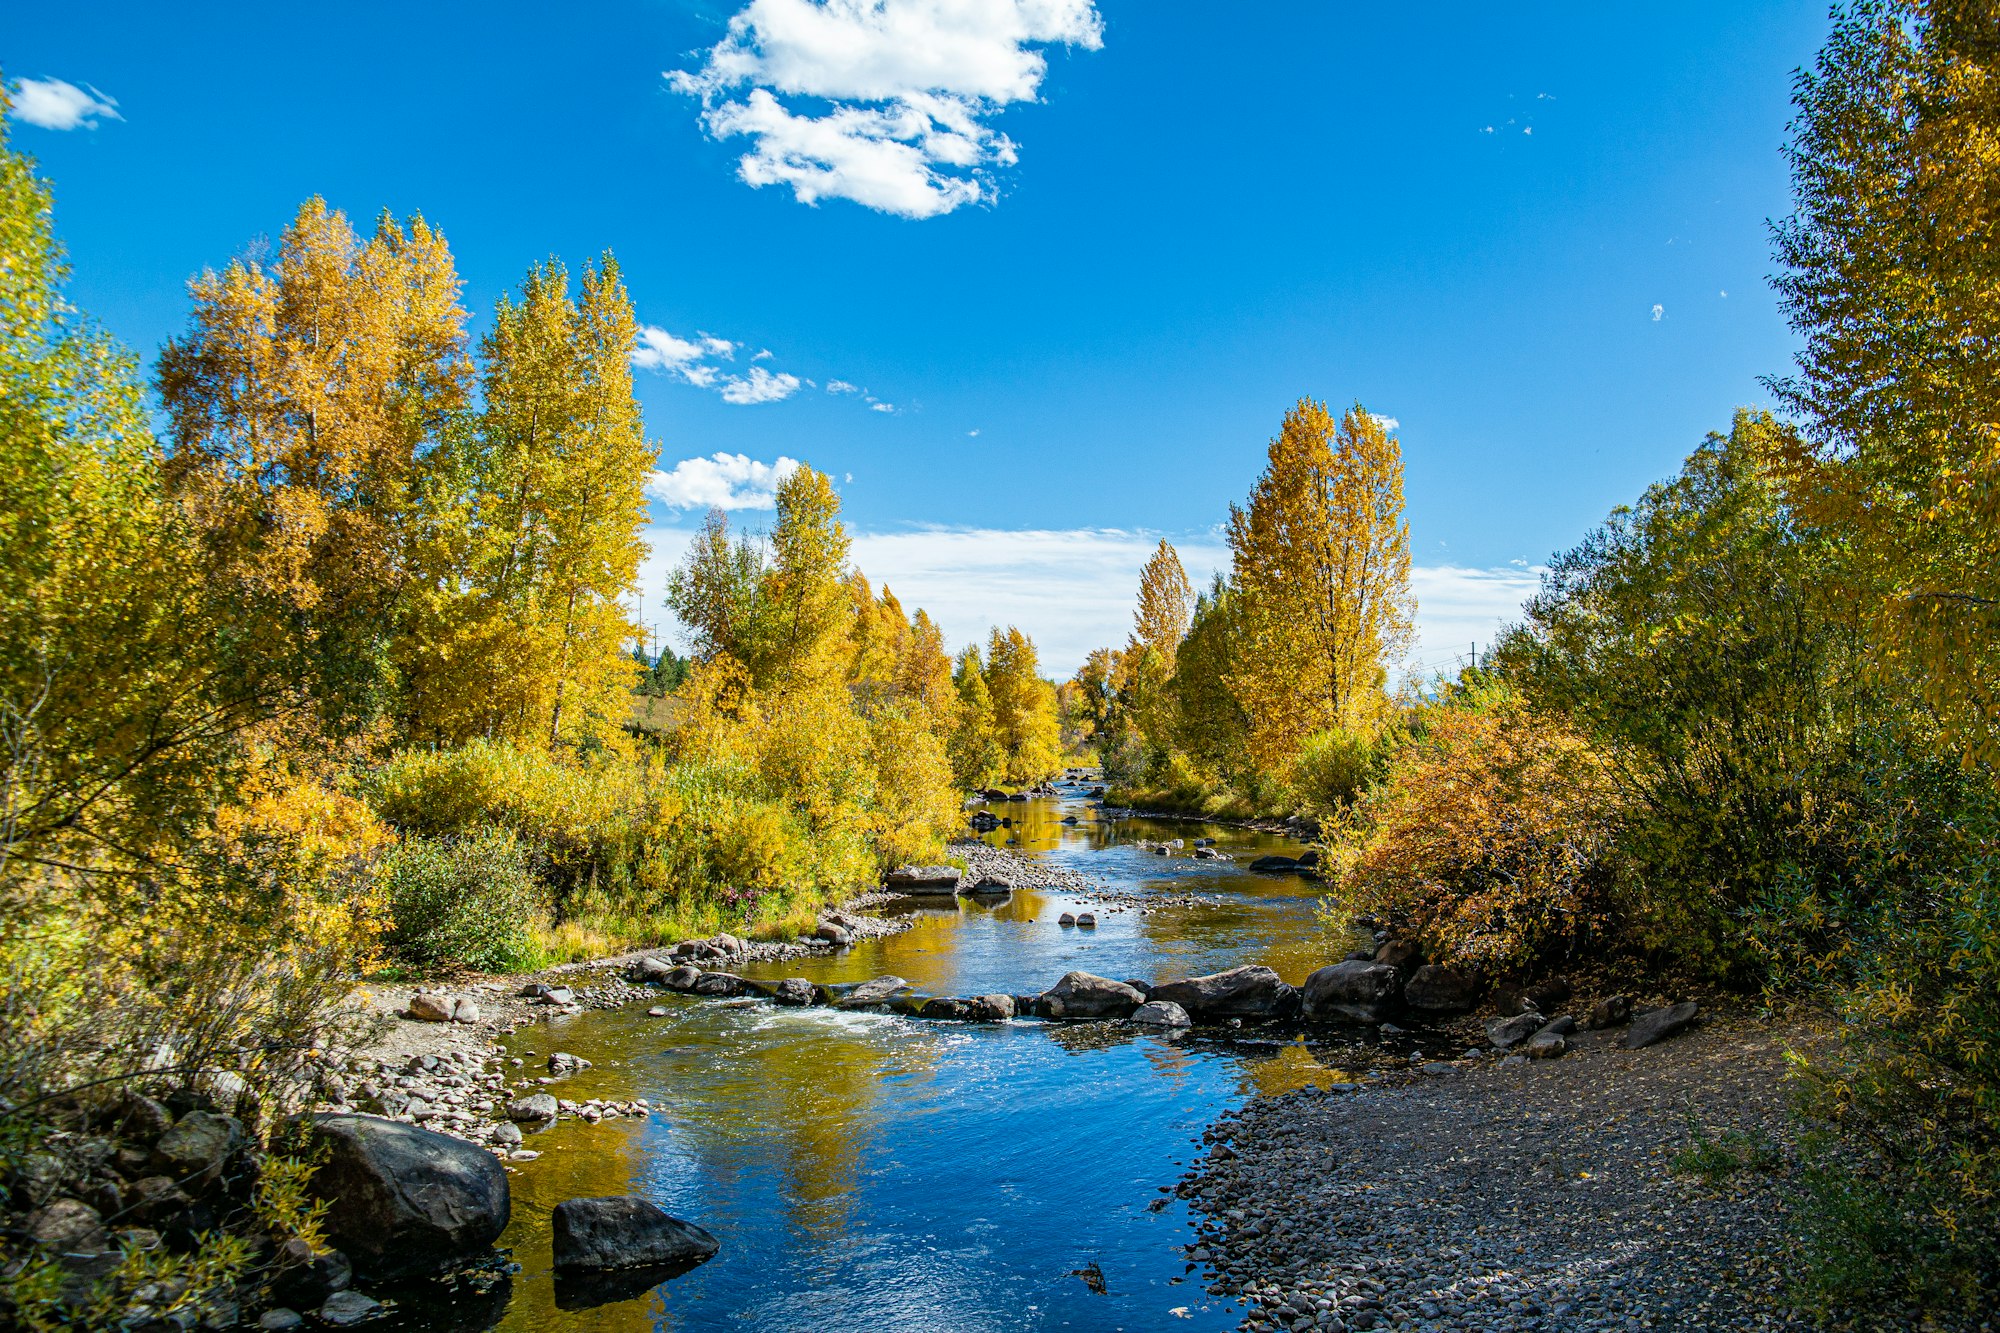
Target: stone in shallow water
[(1162, 1014), (624, 1233)]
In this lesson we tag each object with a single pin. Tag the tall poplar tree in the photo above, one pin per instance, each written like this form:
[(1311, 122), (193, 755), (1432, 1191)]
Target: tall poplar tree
[(976, 757), (528, 629), (1322, 577)]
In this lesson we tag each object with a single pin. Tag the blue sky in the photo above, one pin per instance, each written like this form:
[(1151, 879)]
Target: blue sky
[(1037, 278)]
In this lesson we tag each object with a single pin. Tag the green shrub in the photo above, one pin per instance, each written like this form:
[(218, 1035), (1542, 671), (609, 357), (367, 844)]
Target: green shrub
[(461, 903), (1333, 768)]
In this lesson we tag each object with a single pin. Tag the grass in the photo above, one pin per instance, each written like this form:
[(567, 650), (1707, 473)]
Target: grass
[(1714, 1157), (1207, 803), (608, 931)]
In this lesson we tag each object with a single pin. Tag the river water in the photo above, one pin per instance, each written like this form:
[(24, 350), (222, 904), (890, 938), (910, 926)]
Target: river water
[(880, 1173)]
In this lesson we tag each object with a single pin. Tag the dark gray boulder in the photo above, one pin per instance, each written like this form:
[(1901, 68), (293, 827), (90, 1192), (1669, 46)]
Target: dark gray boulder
[(649, 969), (794, 991), (1161, 1014), (1436, 989), (1276, 865), (945, 1007), (718, 983), (197, 1151), (1364, 991), (1659, 1024), (1250, 992), (595, 1234), (1084, 995), (403, 1201), (681, 978), (1504, 1034), (988, 886)]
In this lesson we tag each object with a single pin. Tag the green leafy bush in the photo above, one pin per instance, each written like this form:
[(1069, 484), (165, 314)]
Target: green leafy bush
[(457, 903)]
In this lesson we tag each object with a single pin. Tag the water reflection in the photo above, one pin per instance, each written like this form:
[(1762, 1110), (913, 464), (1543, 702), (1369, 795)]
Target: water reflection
[(870, 1171)]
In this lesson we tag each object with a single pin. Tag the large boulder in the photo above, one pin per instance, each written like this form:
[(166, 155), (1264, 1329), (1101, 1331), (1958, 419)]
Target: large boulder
[(990, 1008), (682, 978), (1083, 995), (1436, 989), (1610, 1012), (1504, 1034), (1276, 865), (719, 983), (1659, 1024), (536, 1106), (624, 1233), (403, 1201), (1403, 955), (1364, 991), (922, 879), (1249, 991), (430, 1008)]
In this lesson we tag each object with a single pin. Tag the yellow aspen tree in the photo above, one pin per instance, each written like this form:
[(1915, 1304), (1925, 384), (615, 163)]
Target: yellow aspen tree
[(923, 674), (1165, 602), (300, 403), (1322, 575), (1024, 708), (803, 606), (976, 757), (532, 633)]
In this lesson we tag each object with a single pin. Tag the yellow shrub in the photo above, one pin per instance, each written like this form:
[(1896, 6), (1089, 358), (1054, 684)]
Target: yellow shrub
[(1490, 840)]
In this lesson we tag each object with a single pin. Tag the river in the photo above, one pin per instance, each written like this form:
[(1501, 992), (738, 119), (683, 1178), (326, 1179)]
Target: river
[(871, 1172)]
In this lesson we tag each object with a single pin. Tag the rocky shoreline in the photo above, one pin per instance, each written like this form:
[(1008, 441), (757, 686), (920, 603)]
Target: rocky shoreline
[(1518, 1196)]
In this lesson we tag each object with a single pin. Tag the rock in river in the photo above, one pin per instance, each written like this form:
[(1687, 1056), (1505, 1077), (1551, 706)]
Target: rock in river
[(877, 991), (528, 1110), (1364, 991), (1082, 995), (1249, 992), (624, 1233), (1162, 1014), (404, 1201), (1276, 865), (795, 991)]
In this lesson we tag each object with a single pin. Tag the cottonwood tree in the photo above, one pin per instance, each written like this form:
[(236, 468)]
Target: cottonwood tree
[(1024, 707), (300, 404), (1322, 577)]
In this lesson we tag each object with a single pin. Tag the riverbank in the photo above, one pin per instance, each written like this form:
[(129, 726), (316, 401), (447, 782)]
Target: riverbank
[(1608, 1189)]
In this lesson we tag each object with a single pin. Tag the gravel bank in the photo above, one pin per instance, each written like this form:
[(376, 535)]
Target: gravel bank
[(1530, 1195)]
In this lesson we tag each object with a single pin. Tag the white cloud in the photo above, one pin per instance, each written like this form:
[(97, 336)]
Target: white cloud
[(764, 355), (722, 481), (972, 434), (760, 386), (882, 407), (56, 105), (659, 350), (897, 93), (1072, 589), (1659, 312), (842, 386), (1385, 422)]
